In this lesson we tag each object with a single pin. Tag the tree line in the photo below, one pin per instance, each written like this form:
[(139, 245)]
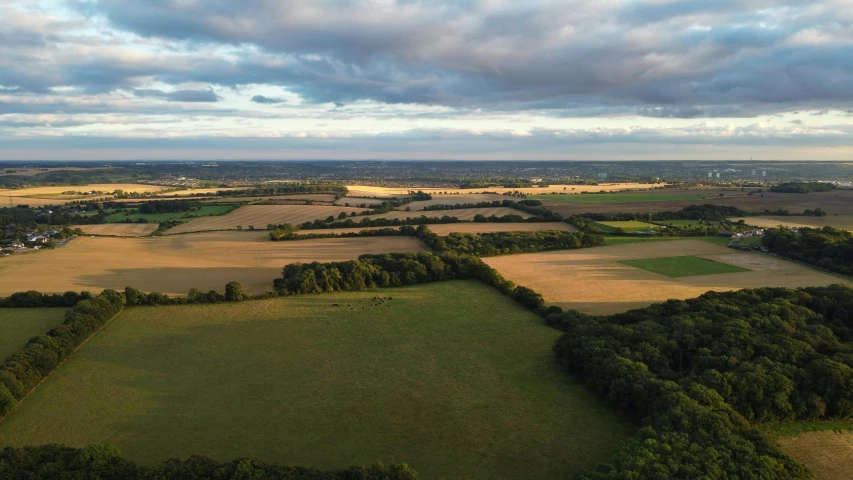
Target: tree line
[(711, 220), (34, 299), (698, 372), (802, 187), (825, 247), (104, 462)]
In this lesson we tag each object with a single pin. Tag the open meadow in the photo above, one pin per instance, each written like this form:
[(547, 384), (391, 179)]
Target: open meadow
[(595, 281), (841, 222), (260, 216), (174, 264), (119, 229), (451, 377), (19, 325)]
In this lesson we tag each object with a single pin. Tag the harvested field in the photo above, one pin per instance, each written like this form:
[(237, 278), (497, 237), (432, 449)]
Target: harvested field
[(369, 191), (469, 227), (98, 187), (119, 229), (260, 216), (355, 201), (174, 264), (202, 191), (829, 455), (465, 214), (834, 202), (841, 222), (685, 266), (594, 281), (608, 198), (314, 197), (450, 377), (460, 199), (19, 325)]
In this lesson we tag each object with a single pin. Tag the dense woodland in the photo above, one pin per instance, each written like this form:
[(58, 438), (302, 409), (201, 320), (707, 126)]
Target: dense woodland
[(104, 462), (825, 247), (697, 372)]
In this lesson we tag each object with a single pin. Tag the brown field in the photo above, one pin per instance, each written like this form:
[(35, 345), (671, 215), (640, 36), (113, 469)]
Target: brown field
[(369, 191), (593, 281), (454, 199), (119, 229), (448, 228), (838, 202), (841, 222), (260, 216), (353, 201), (466, 214), (174, 264), (829, 455)]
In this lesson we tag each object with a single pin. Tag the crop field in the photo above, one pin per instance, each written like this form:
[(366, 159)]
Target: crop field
[(466, 214), (369, 191), (355, 201), (459, 198), (595, 281), (119, 229), (828, 454), (260, 216), (203, 211), (40, 196), (174, 264), (203, 191), (451, 377), (611, 198), (19, 325), (841, 222), (625, 225), (686, 266), (468, 227)]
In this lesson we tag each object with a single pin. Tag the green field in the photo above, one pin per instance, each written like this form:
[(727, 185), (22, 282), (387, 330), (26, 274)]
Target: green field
[(203, 211), (687, 266), (19, 325), (610, 198), (626, 226), (619, 240), (451, 377)]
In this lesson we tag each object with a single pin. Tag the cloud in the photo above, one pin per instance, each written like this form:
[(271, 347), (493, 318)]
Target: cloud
[(194, 96), (266, 100)]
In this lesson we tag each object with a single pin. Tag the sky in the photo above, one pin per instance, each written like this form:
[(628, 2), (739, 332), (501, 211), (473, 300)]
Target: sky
[(439, 79)]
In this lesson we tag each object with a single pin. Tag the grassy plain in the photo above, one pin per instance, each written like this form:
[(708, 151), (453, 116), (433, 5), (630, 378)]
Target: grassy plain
[(203, 211), (174, 264), (260, 216), (19, 325), (841, 222), (119, 229), (611, 198), (594, 281), (452, 377), (686, 266)]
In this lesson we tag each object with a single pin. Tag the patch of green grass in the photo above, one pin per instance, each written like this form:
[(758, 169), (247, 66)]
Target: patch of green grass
[(686, 266), (614, 240), (626, 226), (611, 198), (203, 211), (792, 429), (19, 325), (451, 377)]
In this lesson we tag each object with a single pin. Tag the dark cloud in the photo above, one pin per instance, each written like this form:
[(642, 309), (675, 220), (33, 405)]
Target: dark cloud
[(266, 100), (195, 96)]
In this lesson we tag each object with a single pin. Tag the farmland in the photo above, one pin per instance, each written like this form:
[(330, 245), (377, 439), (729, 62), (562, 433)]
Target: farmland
[(174, 264), (465, 214), (458, 198), (119, 229), (448, 228), (594, 281), (451, 377), (686, 266), (259, 216), (19, 325), (841, 222), (626, 226), (611, 198), (828, 454), (370, 191), (202, 211)]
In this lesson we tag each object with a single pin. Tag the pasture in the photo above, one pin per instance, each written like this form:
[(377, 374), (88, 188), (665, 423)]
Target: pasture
[(260, 216), (686, 266), (625, 226), (119, 229), (611, 198), (203, 211), (451, 377), (841, 222), (595, 281), (174, 264), (19, 325)]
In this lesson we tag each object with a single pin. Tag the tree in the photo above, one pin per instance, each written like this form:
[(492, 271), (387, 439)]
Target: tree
[(234, 292)]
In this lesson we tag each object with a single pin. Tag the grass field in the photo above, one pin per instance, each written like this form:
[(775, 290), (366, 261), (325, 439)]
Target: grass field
[(174, 264), (452, 377), (203, 211), (19, 325), (611, 198), (626, 225), (260, 216), (686, 266), (595, 281), (119, 229)]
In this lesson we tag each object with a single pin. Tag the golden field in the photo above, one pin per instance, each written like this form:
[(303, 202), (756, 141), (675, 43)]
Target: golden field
[(260, 216), (174, 264), (841, 222), (119, 229), (593, 281), (828, 454)]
